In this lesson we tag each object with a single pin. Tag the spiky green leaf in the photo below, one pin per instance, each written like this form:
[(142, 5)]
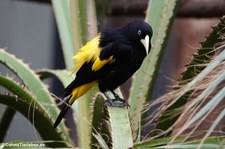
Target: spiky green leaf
[(26, 104), (197, 64), (160, 15), (33, 83)]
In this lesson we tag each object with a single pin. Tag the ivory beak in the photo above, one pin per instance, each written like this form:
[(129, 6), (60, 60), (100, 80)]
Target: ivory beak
[(145, 42)]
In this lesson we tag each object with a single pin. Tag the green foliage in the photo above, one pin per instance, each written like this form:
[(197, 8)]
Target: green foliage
[(103, 7), (63, 19), (98, 116), (199, 113), (78, 18), (161, 20), (62, 75), (29, 79), (23, 102), (120, 127), (33, 84), (197, 64), (212, 142), (205, 53)]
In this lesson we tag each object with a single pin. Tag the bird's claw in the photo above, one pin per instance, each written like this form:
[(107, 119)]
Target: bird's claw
[(116, 103)]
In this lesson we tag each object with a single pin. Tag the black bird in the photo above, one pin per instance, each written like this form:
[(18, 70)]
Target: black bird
[(108, 60)]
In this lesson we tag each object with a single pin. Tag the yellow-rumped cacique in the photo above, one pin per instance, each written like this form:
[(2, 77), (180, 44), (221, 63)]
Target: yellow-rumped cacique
[(108, 60)]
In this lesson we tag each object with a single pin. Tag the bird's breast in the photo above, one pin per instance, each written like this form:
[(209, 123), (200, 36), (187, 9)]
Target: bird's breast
[(128, 65)]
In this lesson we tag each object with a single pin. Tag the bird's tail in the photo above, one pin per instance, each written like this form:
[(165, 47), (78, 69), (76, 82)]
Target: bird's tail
[(65, 108), (69, 100)]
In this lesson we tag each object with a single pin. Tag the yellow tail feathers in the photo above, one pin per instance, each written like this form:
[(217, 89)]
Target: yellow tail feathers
[(79, 91), (76, 93)]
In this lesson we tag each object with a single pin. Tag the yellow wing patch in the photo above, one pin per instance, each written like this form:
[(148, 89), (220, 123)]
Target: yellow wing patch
[(90, 52), (98, 64)]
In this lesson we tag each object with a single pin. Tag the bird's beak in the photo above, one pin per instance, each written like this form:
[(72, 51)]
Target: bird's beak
[(145, 42)]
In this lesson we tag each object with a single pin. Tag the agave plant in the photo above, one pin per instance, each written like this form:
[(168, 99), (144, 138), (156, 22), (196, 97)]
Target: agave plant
[(111, 127)]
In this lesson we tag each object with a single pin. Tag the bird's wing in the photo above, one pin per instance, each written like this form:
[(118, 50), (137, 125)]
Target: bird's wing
[(90, 53)]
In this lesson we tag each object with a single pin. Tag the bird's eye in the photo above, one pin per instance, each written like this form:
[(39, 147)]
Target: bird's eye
[(139, 32)]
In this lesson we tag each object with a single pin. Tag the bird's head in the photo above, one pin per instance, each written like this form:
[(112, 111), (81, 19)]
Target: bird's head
[(140, 32)]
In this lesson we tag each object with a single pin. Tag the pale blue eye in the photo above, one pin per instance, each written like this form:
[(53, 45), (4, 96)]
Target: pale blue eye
[(139, 32)]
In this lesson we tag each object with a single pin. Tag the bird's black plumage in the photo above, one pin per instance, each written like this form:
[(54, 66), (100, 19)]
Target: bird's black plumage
[(128, 46), (125, 46)]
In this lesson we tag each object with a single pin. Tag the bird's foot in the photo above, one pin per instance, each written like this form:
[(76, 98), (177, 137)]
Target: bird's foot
[(116, 103)]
